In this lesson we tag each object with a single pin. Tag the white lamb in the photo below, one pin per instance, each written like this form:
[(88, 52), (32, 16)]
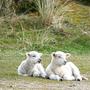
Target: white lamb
[(60, 69), (31, 66)]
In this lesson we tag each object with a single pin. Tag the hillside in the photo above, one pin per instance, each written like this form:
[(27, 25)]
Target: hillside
[(26, 32)]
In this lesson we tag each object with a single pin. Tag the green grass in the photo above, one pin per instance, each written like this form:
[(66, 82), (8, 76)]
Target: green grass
[(10, 60), (24, 33)]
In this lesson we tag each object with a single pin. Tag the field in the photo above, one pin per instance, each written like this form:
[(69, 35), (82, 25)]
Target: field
[(20, 34), (9, 80)]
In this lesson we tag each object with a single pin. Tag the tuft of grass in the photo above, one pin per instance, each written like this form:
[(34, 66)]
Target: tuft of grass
[(46, 10)]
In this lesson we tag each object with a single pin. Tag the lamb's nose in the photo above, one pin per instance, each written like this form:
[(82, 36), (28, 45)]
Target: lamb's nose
[(65, 62), (39, 60)]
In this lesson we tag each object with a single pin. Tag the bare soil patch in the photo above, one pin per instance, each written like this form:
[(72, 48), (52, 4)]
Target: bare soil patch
[(33, 85)]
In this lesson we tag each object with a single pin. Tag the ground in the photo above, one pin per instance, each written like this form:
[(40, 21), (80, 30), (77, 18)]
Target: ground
[(10, 80), (34, 85)]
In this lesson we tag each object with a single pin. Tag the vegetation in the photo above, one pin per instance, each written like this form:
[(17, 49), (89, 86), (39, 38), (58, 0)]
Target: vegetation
[(28, 32), (85, 2), (36, 26)]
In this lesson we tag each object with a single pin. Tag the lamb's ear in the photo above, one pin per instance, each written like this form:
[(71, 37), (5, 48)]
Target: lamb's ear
[(27, 54), (68, 55), (53, 54), (40, 54)]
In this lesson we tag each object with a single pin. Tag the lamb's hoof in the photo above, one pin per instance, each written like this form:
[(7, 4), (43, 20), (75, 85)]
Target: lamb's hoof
[(31, 75), (78, 80), (61, 79), (47, 77)]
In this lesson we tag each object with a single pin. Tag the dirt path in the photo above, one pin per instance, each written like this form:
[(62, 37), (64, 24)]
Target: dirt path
[(26, 85)]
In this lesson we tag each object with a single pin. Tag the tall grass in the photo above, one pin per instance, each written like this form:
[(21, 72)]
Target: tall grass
[(6, 7), (52, 12), (24, 31), (46, 10)]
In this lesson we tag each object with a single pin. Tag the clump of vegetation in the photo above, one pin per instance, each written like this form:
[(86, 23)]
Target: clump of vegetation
[(85, 2), (46, 10), (56, 27), (25, 7), (5, 7)]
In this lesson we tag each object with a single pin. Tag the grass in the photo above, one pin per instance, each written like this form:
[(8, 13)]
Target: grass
[(28, 33), (20, 34), (10, 60)]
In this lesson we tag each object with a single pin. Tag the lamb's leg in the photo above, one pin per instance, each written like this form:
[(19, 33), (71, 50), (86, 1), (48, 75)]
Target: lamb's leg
[(75, 71), (55, 77), (41, 70), (22, 72), (66, 77), (36, 71)]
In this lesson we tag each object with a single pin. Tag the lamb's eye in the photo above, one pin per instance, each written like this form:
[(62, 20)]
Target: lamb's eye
[(59, 56), (33, 56)]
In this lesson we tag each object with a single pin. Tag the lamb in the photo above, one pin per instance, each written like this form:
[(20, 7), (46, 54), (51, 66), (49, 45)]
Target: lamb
[(32, 66), (60, 69)]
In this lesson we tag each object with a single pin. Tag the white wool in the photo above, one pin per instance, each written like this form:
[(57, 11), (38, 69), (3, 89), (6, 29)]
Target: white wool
[(31, 66), (59, 68)]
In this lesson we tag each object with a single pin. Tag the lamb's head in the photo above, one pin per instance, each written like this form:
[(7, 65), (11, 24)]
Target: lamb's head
[(59, 57), (34, 56)]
